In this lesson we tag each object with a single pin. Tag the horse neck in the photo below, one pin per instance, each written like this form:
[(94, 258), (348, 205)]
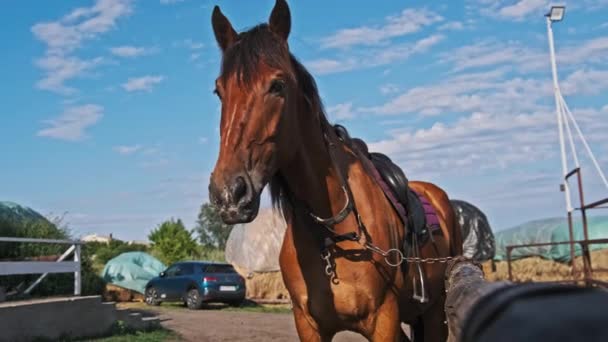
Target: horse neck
[(311, 176)]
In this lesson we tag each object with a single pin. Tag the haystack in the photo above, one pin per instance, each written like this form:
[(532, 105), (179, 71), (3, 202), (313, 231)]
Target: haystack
[(253, 249)]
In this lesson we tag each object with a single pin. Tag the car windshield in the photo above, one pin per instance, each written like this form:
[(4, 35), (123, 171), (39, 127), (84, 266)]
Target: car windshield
[(218, 269)]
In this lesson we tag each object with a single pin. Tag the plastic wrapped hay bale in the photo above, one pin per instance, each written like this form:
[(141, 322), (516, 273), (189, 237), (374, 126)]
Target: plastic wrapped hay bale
[(478, 239), (253, 249), (255, 246)]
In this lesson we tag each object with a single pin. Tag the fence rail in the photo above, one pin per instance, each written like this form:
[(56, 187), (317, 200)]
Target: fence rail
[(46, 267)]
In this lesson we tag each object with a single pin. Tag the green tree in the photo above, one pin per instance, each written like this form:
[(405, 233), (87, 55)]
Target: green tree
[(172, 242), (212, 231)]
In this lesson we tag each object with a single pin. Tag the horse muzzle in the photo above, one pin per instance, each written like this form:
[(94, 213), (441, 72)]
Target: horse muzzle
[(237, 199)]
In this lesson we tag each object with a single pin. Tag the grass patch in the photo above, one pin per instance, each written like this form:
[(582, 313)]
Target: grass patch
[(159, 335), (248, 306), (263, 308)]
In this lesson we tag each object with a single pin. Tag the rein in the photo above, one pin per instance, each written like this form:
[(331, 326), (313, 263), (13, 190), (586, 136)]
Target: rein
[(349, 207)]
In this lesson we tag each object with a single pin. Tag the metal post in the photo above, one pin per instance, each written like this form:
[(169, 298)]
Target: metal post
[(61, 258), (572, 254), (77, 274), (509, 249), (558, 111)]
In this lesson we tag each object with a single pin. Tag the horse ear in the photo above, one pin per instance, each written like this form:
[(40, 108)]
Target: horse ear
[(280, 19), (224, 33)]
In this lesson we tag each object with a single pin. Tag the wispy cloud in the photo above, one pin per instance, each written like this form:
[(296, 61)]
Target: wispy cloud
[(72, 124), (522, 8), (389, 89), (408, 21), (127, 149), (170, 2), (144, 83), (522, 58), (452, 26), (59, 69), (128, 51), (519, 10), (64, 36), (373, 57), (341, 111), (189, 44)]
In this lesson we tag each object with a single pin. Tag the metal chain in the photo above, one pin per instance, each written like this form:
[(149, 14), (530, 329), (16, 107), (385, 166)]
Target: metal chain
[(402, 258), (434, 260)]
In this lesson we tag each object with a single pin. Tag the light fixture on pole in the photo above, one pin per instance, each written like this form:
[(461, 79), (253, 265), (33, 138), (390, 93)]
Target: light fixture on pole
[(556, 13), (564, 116)]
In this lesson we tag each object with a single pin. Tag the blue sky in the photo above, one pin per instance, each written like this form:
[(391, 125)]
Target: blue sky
[(108, 112)]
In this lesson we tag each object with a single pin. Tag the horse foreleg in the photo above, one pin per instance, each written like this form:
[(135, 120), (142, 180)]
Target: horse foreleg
[(387, 325), (307, 327), (434, 328)]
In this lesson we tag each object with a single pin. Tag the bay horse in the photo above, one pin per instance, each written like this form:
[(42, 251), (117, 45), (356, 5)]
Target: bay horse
[(340, 254)]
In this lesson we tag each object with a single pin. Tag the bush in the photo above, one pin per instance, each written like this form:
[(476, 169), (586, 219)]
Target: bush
[(172, 242)]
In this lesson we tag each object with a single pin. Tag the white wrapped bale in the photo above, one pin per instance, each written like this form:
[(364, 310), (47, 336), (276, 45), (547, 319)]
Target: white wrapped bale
[(255, 246)]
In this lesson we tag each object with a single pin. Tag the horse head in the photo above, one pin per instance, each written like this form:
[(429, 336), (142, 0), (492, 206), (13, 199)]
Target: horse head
[(259, 93)]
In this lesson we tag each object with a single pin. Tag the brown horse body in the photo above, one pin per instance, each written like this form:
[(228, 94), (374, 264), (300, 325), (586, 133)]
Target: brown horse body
[(274, 131)]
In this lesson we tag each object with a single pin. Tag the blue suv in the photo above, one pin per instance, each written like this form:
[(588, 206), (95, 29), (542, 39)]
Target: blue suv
[(195, 283)]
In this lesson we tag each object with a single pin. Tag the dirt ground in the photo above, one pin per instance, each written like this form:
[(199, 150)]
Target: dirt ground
[(223, 325)]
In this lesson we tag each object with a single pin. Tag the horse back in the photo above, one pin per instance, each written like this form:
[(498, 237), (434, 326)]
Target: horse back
[(447, 217)]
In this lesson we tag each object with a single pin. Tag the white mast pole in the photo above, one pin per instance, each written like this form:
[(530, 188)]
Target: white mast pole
[(560, 115)]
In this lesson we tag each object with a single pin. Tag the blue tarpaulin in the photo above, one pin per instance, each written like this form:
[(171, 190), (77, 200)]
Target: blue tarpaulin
[(550, 230), (132, 270)]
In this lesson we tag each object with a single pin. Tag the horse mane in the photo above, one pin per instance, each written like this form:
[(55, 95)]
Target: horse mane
[(260, 44)]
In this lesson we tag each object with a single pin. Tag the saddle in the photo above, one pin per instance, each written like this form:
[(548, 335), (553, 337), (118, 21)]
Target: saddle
[(415, 211), (419, 214)]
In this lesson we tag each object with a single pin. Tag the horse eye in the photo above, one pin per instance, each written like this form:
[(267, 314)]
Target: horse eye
[(217, 93), (277, 87)]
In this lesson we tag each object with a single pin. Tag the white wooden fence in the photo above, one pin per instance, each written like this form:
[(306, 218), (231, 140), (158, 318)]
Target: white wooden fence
[(46, 267)]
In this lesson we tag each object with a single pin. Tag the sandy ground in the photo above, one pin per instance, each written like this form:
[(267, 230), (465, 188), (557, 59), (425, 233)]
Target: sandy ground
[(221, 325)]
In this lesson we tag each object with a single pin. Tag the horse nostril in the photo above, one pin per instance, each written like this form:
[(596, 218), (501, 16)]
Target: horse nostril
[(239, 190)]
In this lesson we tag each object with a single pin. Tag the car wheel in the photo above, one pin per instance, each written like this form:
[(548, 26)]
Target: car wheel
[(152, 296), (194, 300)]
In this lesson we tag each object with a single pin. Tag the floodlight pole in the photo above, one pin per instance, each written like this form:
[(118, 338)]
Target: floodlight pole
[(559, 112)]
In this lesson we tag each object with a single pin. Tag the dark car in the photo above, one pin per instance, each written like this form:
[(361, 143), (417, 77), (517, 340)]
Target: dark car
[(195, 283)]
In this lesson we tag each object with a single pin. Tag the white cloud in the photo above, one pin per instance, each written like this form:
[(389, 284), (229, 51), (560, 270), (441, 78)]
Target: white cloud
[(127, 149), (523, 58), (144, 83), (72, 124), (452, 26), (190, 44), (131, 51), (390, 88), (329, 66), (485, 92), (59, 69), (523, 8), (370, 58), (64, 36), (586, 82), (341, 111), (492, 53), (195, 56), (408, 21), (170, 2)]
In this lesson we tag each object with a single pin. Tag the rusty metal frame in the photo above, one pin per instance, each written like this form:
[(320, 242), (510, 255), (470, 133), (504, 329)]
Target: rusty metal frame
[(587, 266)]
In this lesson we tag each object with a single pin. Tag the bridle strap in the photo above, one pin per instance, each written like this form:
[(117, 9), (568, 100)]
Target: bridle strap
[(349, 206)]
